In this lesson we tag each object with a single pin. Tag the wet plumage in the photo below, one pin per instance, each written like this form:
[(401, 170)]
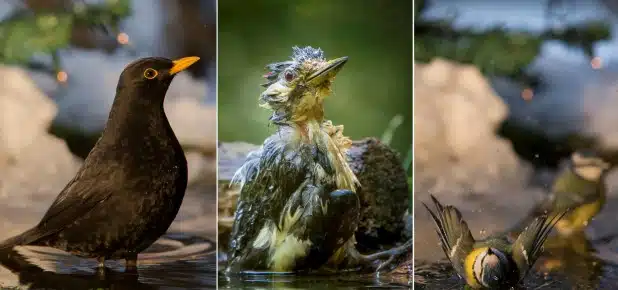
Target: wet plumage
[(289, 186), (132, 183), (493, 263), (297, 209)]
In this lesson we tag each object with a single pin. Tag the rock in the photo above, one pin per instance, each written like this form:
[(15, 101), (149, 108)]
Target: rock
[(384, 195), (194, 123), (198, 213), (202, 169), (39, 165), (456, 114), (26, 112)]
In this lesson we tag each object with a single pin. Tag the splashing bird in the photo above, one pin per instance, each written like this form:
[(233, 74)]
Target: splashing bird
[(495, 262)]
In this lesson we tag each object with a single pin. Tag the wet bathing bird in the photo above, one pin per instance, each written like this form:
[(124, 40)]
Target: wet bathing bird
[(132, 183), (580, 187), (495, 262), (298, 209)]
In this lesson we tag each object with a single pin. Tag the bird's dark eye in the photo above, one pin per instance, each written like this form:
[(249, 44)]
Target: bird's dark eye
[(289, 76), (150, 73)]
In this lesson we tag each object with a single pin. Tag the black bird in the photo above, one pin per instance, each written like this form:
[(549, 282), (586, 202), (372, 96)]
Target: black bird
[(132, 183)]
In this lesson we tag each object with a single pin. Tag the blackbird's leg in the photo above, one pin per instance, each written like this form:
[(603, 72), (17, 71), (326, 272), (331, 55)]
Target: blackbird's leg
[(101, 270), (131, 263)]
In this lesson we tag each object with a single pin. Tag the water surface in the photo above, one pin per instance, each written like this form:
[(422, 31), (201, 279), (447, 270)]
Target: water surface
[(175, 261)]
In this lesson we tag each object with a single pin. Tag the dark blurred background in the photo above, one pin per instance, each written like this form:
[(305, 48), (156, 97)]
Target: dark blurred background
[(373, 90)]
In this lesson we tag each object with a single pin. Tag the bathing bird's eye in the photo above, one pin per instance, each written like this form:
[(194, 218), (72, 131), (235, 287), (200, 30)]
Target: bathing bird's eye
[(289, 76), (150, 73)]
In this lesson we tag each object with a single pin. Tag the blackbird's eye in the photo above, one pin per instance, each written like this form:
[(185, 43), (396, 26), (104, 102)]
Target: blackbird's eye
[(150, 73), (289, 76)]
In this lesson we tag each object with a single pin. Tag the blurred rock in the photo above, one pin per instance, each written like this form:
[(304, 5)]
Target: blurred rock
[(456, 114), (26, 111), (198, 213), (384, 194), (194, 123), (39, 164)]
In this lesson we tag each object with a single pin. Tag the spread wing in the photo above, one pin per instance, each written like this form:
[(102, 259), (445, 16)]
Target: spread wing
[(528, 246), (455, 236)]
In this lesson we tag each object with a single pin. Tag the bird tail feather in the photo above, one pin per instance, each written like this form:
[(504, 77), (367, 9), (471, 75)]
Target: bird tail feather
[(18, 240)]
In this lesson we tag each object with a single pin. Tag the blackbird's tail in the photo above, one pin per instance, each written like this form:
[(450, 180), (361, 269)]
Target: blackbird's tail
[(21, 239)]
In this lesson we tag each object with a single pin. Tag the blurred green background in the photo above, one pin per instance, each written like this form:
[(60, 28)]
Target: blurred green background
[(374, 86)]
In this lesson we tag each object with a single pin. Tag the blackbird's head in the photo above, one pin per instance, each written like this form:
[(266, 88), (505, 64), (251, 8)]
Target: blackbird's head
[(295, 89), (146, 80)]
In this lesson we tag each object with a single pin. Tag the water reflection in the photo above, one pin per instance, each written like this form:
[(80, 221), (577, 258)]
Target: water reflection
[(177, 261), (574, 257), (291, 281)]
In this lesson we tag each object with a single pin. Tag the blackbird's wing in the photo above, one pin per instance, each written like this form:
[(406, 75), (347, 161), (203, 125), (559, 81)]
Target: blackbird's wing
[(78, 198), (91, 186)]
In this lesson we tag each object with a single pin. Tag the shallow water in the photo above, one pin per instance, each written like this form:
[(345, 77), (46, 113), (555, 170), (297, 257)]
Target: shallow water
[(588, 260), (289, 281), (175, 261)]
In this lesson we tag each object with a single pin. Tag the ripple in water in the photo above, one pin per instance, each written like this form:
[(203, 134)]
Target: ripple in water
[(174, 261)]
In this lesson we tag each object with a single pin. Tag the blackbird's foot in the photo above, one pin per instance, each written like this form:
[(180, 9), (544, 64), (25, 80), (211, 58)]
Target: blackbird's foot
[(101, 270)]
